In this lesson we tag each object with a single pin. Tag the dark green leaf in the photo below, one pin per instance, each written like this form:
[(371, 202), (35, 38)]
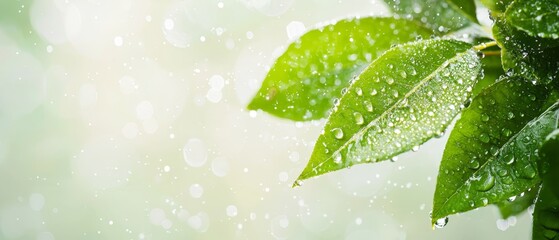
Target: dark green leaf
[(492, 67), (305, 80), (407, 96), (546, 214), (436, 14), (496, 5), (466, 7), (531, 57), (518, 204), (489, 156), (538, 18)]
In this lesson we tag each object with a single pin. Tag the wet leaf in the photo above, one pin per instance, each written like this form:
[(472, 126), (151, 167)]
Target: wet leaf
[(516, 205), (407, 96), (532, 57), (491, 65), (466, 7), (305, 80), (546, 212), (538, 18), (496, 5), (491, 153), (439, 15)]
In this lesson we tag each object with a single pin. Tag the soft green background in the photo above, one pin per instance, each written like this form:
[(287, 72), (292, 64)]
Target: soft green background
[(125, 119)]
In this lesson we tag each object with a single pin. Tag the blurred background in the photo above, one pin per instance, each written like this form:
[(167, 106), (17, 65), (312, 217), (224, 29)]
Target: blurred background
[(125, 119)]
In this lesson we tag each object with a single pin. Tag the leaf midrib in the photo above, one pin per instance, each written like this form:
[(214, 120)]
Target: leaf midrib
[(397, 103), (494, 159)]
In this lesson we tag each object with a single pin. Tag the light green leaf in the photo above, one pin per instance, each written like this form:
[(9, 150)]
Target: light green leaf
[(532, 57), (466, 7), (518, 204), (538, 18), (305, 80), (491, 153), (496, 5), (439, 15), (407, 96)]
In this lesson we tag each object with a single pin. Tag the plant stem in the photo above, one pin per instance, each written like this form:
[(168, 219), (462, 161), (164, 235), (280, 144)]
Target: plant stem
[(492, 53), (485, 45)]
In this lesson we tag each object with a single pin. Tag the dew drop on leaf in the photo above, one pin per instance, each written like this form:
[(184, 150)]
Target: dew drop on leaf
[(511, 199), (441, 222), (338, 133), (358, 118), (484, 138), (486, 183), (368, 106), (484, 117)]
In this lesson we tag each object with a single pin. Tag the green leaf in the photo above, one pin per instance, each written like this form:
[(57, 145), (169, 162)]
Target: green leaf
[(407, 96), (490, 155), (538, 18), (305, 80), (532, 57), (491, 64), (466, 7), (546, 214), (518, 204), (497, 5), (439, 15)]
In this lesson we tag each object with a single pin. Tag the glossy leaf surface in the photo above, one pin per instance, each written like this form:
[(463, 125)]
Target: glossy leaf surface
[(516, 205), (490, 154), (407, 96), (304, 81), (537, 18), (466, 7)]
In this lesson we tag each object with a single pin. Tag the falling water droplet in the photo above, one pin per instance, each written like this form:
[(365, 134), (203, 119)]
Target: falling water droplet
[(441, 222)]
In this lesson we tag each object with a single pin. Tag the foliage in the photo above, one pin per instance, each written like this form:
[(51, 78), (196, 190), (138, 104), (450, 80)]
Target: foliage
[(387, 85)]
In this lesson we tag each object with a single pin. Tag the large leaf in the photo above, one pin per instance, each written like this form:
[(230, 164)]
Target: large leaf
[(518, 204), (305, 80), (537, 18), (532, 57), (491, 153), (546, 212), (496, 5), (407, 96), (466, 7), (439, 15)]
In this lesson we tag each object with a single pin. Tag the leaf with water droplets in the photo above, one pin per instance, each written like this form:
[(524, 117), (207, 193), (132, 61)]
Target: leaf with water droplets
[(410, 94), (496, 5), (537, 18), (532, 57), (546, 212), (502, 148), (466, 7), (306, 79), (439, 15), (516, 205)]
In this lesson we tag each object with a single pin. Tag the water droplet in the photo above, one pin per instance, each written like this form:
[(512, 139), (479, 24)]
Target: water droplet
[(473, 164), (338, 158), (403, 74), (502, 172), (358, 118), (298, 183), (484, 138), (484, 117), (397, 131), (368, 106), (486, 183), (373, 92), (338, 133), (507, 132), (511, 199), (395, 93), (441, 222), (510, 115), (529, 172), (484, 201), (415, 148), (358, 91), (394, 159)]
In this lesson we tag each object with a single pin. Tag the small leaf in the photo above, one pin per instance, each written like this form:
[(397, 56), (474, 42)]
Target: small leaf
[(491, 153), (305, 80), (532, 57), (407, 96), (538, 18), (435, 14), (466, 7), (516, 205), (496, 5)]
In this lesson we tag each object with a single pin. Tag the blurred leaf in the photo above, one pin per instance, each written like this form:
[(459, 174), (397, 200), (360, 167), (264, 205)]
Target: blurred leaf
[(492, 70), (538, 18), (546, 212), (435, 14), (518, 204), (496, 5), (404, 98), (305, 80), (489, 156), (532, 57), (466, 7)]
